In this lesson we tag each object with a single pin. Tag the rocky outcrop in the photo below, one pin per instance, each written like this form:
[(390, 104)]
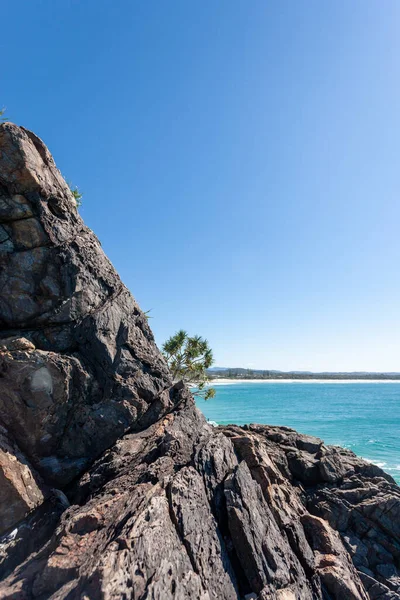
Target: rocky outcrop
[(79, 366), (185, 510), (112, 484), (331, 505)]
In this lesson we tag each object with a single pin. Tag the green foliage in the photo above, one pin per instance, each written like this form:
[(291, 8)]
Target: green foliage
[(76, 194), (2, 117), (189, 358)]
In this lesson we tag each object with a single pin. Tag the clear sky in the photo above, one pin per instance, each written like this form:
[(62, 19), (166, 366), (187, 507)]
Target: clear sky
[(239, 162)]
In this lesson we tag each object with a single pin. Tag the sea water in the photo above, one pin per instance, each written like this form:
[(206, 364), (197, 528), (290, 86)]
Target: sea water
[(364, 417)]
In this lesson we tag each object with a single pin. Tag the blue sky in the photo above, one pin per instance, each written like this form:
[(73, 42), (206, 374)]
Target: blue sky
[(239, 162)]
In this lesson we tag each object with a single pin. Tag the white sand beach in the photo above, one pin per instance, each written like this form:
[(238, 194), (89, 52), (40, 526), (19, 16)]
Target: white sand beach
[(237, 381)]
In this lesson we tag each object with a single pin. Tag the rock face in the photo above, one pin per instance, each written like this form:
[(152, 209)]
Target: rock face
[(112, 484), (79, 366)]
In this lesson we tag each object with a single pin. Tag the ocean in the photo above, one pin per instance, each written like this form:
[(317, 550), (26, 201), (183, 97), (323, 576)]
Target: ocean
[(364, 417)]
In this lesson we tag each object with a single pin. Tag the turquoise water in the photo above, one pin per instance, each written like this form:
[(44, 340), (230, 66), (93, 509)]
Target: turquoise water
[(364, 417)]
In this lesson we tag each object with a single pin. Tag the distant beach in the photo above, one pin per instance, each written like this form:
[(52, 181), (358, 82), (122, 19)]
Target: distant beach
[(236, 381)]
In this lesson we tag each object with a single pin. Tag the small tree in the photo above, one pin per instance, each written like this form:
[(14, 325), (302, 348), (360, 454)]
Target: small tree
[(2, 117), (76, 194), (189, 358)]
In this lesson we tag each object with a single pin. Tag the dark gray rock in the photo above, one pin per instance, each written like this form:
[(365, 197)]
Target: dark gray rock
[(200, 533), (356, 499), (263, 551), (92, 370)]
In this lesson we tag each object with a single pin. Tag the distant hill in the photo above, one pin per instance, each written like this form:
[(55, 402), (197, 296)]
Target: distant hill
[(241, 373)]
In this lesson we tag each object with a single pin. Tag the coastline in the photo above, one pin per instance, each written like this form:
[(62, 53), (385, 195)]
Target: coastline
[(221, 381), (348, 416)]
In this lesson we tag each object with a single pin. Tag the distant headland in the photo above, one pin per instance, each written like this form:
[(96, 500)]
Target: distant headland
[(262, 374)]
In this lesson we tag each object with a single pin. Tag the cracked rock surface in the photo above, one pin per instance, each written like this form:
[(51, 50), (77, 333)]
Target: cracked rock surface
[(78, 362), (112, 484)]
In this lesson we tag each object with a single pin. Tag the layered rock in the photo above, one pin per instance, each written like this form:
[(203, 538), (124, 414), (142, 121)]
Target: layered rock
[(112, 484), (184, 510), (78, 362)]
